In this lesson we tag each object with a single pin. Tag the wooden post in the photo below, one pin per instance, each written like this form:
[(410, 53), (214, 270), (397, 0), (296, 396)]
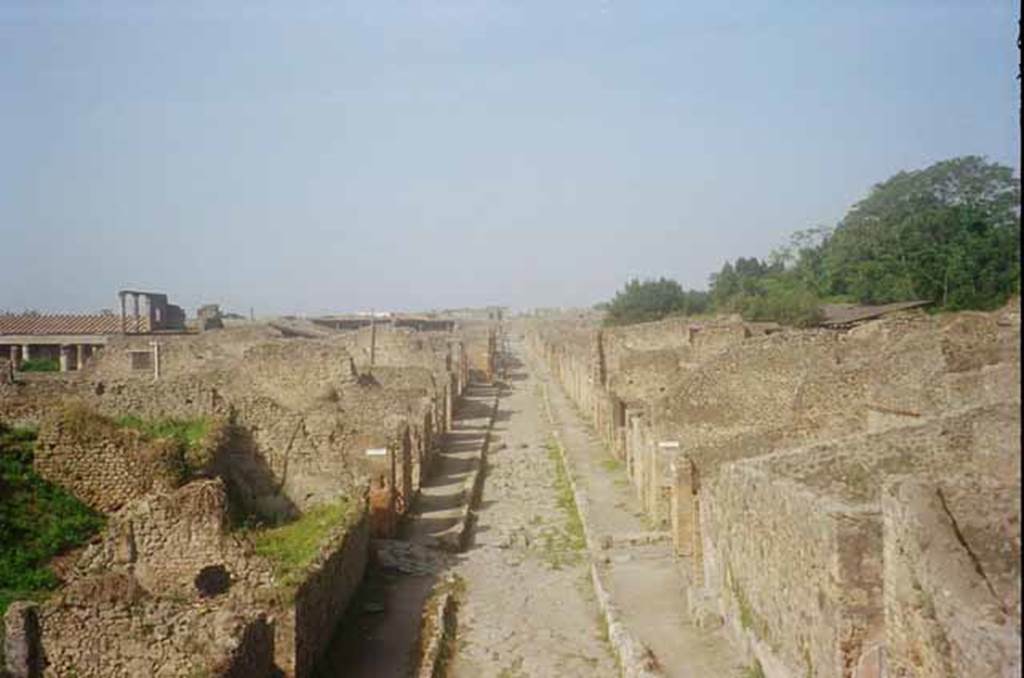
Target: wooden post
[(156, 360), (373, 338)]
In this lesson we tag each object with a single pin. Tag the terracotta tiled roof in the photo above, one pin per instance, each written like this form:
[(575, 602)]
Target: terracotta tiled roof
[(42, 325)]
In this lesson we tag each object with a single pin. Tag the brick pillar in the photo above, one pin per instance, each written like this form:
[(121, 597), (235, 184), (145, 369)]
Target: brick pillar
[(682, 505)]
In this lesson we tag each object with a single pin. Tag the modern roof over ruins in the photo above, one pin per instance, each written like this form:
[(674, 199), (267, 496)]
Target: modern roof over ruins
[(35, 324), (845, 314)]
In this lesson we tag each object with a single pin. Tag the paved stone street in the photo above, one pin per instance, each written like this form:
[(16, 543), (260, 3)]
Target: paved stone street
[(645, 580), (529, 608)]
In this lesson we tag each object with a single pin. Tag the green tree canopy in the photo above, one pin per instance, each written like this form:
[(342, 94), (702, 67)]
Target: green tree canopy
[(653, 300), (949, 233)]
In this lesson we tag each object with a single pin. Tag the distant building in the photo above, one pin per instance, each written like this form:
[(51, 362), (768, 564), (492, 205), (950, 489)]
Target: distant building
[(71, 339), (356, 321)]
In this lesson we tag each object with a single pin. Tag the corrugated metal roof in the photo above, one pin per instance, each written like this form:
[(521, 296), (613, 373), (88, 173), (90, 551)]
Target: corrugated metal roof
[(841, 314), (42, 325)]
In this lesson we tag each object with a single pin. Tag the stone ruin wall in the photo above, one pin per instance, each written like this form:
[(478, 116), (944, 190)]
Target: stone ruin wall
[(480, 346), (134, 593), (296, 403), (103, 464), (748, 395), (137, 592), (304, 629), (783, 593), (297, 437), (747, 539), (944, 614)]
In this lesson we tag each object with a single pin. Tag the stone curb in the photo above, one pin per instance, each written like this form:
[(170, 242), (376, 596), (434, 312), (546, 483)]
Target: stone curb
[(441, 621), (635, 659)]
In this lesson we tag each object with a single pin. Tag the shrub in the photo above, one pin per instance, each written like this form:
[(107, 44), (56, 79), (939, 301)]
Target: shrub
[(784, 305), (649, 300), (38, 520), (40, 365)]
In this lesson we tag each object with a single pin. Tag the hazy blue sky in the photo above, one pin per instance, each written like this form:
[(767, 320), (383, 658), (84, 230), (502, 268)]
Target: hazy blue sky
[(306, 157)]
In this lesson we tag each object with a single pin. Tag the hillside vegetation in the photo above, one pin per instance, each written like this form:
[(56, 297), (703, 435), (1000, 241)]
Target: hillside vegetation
[(948, 234)]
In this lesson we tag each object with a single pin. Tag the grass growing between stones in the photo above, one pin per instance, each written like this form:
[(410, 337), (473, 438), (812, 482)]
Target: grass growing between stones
[(754, 670), (38, 520), (292, 547), (564, 545), (612, 464)]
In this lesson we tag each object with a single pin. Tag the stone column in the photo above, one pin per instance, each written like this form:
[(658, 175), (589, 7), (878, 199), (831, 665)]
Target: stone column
[(124, 322), (64, 351), (135, 311), (15, 356), (25, 353), (79, 357)]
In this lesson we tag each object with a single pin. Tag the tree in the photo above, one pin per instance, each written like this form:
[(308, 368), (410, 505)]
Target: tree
[(949, 233), (653, 300)]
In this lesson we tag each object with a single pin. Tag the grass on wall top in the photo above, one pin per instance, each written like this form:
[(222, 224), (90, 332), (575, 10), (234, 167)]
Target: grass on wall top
[(292, 547)]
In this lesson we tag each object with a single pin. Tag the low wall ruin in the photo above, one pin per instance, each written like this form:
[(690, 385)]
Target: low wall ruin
[(303, 630), (763, 452)]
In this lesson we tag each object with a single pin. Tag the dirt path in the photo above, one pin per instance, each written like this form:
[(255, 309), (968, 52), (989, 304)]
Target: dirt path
[(529, 608), (646, 581)]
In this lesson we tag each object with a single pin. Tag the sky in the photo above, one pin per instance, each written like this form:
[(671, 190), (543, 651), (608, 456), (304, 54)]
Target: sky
[(302, 157)]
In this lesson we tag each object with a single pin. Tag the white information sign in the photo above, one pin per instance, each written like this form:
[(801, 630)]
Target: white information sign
[(377, 452)]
